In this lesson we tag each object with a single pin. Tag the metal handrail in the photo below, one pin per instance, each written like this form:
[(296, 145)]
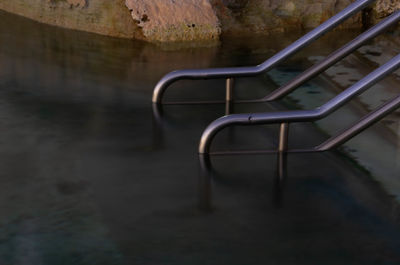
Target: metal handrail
[(286, 117), (229, 73), (333, 58)]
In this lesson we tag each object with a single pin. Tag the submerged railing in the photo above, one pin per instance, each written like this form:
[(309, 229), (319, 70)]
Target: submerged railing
[(231, 73), (287, 117)]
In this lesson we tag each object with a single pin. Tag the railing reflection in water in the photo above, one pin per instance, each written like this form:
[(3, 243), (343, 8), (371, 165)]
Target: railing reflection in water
[(207, 174)]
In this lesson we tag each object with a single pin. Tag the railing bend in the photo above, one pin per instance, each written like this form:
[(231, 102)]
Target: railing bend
[(286, 117), (229, 73)]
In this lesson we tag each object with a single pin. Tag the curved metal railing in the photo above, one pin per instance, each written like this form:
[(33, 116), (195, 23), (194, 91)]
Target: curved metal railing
[(230, 73), (333, 58), (286, 117)]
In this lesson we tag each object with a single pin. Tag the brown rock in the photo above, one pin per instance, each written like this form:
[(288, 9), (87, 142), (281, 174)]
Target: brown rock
[(171, 20), (81, 3), (191, 20), (271, 16), (384, 8), (104, 17)]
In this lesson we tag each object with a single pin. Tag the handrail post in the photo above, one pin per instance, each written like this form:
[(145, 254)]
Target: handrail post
[(229, 89), (229, 95), (283, 137), (282, 158)]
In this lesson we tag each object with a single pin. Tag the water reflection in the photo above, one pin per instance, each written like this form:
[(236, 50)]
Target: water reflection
[(158, 133), (90, 174), (205, 186), (280, 178), (207, 174)]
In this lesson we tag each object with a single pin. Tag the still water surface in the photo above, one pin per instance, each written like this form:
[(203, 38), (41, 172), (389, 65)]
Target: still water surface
[(88, 176)]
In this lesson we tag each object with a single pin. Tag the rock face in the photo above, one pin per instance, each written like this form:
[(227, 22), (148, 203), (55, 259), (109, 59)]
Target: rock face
[(104, 17), (81, 3), (172, 20), (268, 16), (384, 8), (191, 20)]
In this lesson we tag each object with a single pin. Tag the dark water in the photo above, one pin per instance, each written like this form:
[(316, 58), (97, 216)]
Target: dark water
[(88, 176)]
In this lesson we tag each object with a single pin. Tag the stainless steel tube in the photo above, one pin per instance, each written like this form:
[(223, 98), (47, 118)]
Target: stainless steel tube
[(361, 125), (301, 115), (283, 137), (265, 66), (334, 57)]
